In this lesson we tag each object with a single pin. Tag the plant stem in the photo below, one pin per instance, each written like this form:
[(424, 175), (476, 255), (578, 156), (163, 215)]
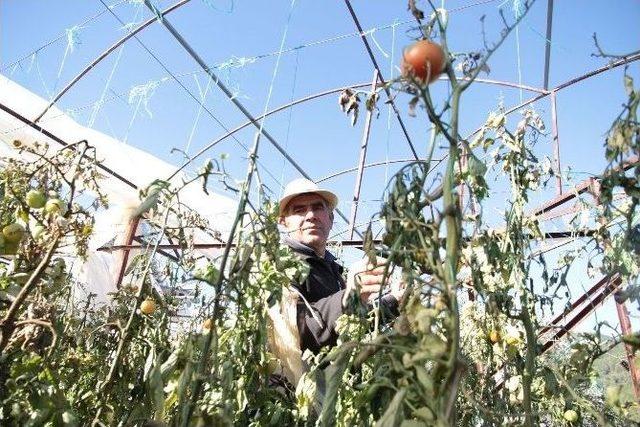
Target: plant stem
[(452, 245), (103, 388), (8, 324), (212, 337)]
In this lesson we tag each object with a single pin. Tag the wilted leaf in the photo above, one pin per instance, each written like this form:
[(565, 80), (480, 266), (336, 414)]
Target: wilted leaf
[(628, 84), (412, 105), (417, 13), (350, 104)]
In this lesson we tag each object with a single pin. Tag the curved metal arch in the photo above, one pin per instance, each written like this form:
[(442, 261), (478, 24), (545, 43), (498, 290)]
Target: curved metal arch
[(106, 53), (370, 165), (325, 93)]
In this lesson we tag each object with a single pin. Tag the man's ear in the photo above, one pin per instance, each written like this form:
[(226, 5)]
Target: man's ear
[(331, 216)]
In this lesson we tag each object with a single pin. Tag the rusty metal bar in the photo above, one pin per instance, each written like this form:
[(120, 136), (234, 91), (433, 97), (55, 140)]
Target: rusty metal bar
[(363, 37), (580, 188), (60, 141), (131, 232), (610, 287), (348, 242), (556, 143), (625, 325), (172, 257), (363, 157), (581, 300)]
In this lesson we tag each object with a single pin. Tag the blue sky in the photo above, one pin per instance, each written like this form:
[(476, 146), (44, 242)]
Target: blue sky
[(330, 55)]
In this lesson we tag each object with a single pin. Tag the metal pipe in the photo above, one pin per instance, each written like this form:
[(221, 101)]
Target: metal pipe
[(369, 165), (106, 53), (60, 141), (230, 95), (363, 157), (131, 232), (547, 46), (363, 37), (330, 92), (625, 325), (610, 287), (348, 242)]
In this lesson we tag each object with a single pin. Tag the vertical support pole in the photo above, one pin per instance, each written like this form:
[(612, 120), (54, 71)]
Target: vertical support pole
[(547, 46), (556, 143), (124, 256), (363, 156), (625, 325)]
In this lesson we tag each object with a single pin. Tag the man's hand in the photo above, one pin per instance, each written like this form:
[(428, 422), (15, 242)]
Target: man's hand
[(367, 279)]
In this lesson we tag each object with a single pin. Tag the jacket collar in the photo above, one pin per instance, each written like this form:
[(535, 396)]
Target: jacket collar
[(305, 251)]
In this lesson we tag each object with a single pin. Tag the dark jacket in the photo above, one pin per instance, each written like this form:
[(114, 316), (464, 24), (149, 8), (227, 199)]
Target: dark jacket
[(321, 294)]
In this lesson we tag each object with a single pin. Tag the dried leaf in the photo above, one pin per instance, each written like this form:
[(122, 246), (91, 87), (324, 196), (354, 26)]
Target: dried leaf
[(350, 103), (628, 84), (412, 105), (417, 13)]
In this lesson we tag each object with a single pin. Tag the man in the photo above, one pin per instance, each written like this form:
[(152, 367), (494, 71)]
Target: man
[(306, 214)]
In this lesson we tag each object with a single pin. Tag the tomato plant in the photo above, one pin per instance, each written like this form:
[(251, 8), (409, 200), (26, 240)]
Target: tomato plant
[(446, 359)]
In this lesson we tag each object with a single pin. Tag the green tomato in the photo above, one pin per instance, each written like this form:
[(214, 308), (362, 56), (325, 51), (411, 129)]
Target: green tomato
[(36, 199), (37, 231), (13, 232), (9, 248), (570, 415), (55, 206)]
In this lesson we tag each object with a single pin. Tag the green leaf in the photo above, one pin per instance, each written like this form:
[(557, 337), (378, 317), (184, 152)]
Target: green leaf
[(475, 166), (148, 364), (393, 415), (155, 386), (333, 375), (170, 364), (183, 386), (153, 194), (134, 263)]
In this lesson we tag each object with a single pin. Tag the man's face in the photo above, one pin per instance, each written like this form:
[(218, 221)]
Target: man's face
[(308, 220)]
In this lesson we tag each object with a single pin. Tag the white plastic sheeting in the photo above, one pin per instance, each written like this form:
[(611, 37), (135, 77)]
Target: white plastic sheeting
[(100, 270)]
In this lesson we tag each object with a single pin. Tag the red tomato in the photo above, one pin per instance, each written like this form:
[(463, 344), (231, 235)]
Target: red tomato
[(423, 61)]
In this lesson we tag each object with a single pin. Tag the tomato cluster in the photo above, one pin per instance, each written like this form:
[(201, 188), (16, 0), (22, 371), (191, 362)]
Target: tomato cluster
[(36, 200)]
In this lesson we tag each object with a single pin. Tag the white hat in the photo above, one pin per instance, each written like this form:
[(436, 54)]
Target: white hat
[(304, 186)]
